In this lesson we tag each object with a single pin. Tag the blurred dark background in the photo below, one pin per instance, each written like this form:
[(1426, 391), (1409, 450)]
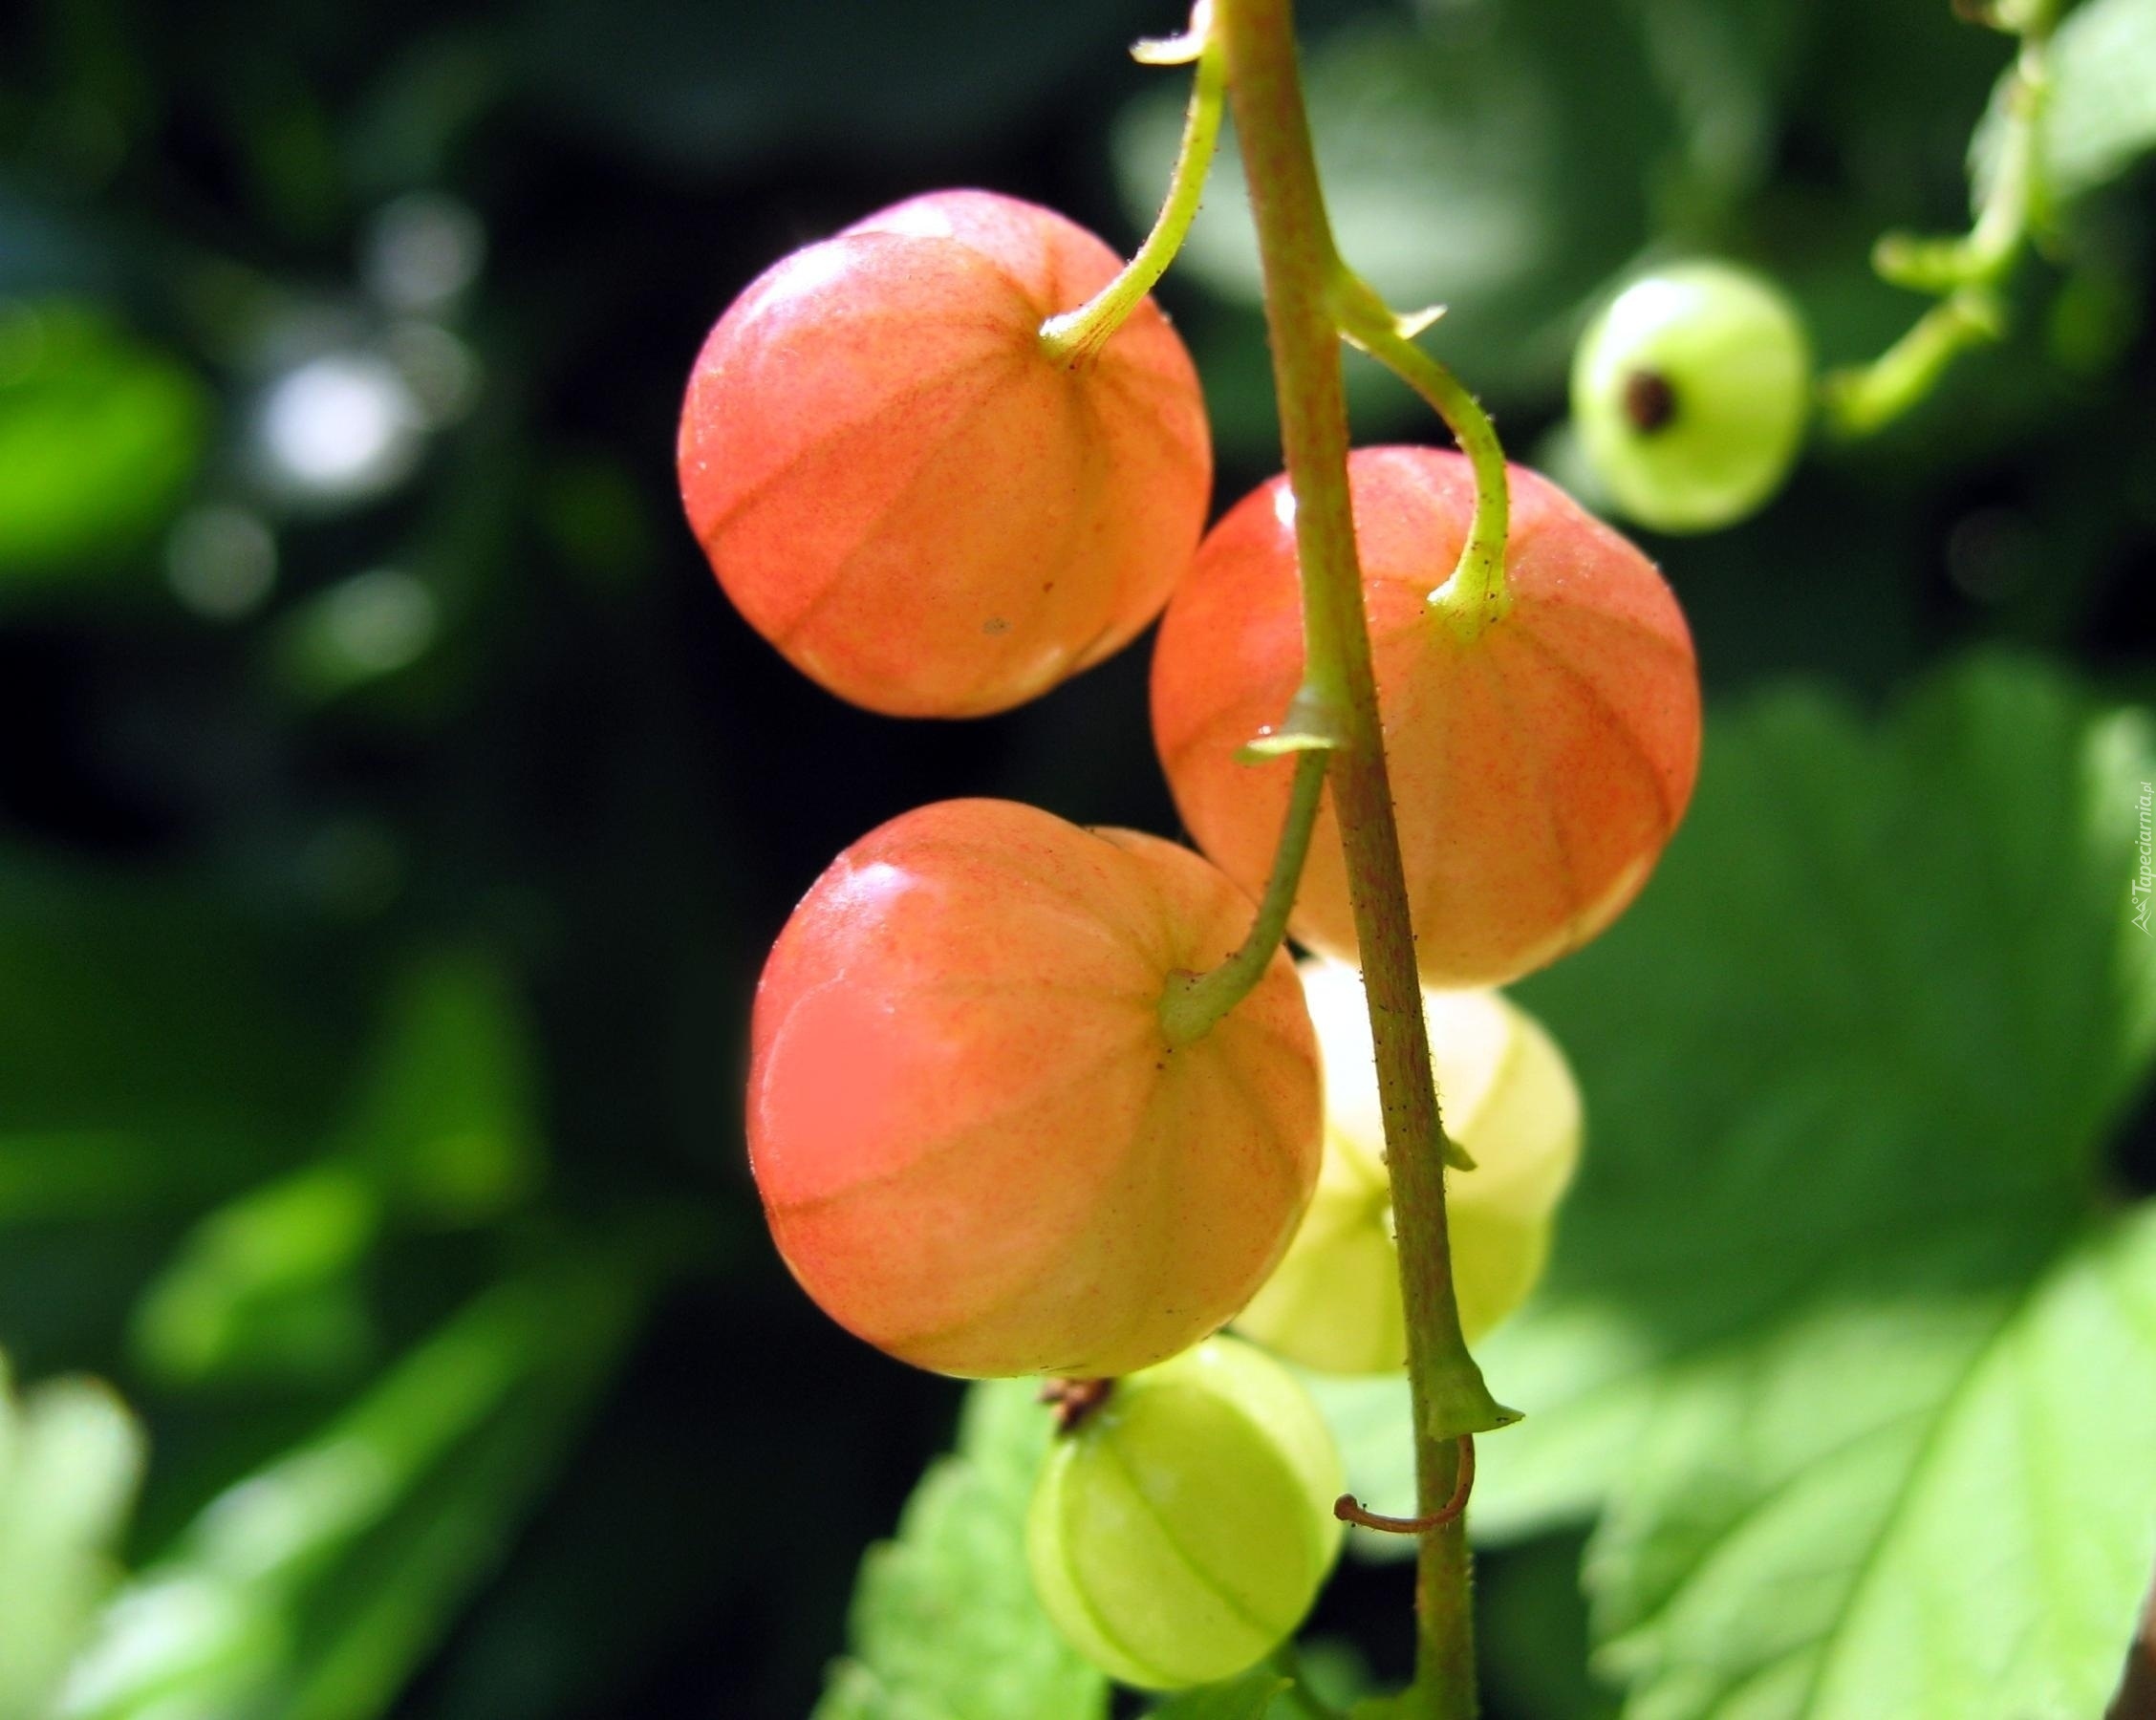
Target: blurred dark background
[(353, 649)]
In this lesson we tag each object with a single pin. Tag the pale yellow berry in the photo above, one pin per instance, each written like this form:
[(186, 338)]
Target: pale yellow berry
[(1509, 1099)]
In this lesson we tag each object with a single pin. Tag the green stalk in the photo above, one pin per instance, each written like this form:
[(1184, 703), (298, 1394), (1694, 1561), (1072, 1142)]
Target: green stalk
[(1077, 335), (1967, 271), (1476, 595), (1302, 276), (1189, 1011)]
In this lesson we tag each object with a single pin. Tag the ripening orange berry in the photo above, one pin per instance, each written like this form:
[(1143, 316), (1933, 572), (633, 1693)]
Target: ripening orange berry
[(975, 1144), (1538, 766), (906, 493)]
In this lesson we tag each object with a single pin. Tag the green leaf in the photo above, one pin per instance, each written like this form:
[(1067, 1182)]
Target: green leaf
[(265, 1283), (1729, 66), (1531, 1631), (2101, 115), (447, 1117), (97, 434), (441, 1129), (71, 1458), (156, 1047), (126, 1002), (1845, 1335), (945, 1625), (1249, 1696), (313, 1589), (362, 630), (376, 1620)]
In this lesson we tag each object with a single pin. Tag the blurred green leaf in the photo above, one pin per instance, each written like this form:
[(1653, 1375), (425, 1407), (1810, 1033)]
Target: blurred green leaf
[(1330, 1671), (1728, 66), (434, 92), (71, 1458), (447, 1116), (711, 86), (263, 1284), (361, 630), (945, 1625), (1844, 1334), (2101, 115), (97, 434), (153, 1046), (64, 1173), (441, 1130), (314, 1588), (1893, 89), (1531, 1632)]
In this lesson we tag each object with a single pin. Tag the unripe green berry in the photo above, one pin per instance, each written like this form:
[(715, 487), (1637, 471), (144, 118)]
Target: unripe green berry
[(1689, 393), (1182, 1527)]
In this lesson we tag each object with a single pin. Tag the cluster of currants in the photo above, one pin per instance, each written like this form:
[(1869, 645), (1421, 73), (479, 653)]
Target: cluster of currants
[(986, 1140)]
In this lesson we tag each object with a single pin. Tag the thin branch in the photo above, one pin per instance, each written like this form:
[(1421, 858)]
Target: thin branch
[(1075, 336), (1349, 1510), (1191, 1009)]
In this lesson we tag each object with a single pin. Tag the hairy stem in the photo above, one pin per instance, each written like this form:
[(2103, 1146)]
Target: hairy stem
[(1076, 336), (1301, 270), (1476, 595)]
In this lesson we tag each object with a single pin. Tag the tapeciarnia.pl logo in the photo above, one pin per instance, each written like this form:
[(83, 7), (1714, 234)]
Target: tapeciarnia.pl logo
[(2146, 882)]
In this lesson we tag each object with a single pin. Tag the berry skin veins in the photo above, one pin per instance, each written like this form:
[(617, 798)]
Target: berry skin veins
[(1538, 766), (1181, 1529), (975, 1146), (904, 491)]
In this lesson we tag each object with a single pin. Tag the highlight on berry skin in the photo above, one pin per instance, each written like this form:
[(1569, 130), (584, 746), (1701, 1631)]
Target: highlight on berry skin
[(1182, 1525), (1511, 1102), (908, 494), (1691, 394), (975, 1145), (1539, 767)]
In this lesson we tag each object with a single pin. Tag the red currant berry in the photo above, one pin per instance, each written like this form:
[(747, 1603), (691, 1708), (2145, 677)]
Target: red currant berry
[(1539, 767), (901, 489), (975, 1146)]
